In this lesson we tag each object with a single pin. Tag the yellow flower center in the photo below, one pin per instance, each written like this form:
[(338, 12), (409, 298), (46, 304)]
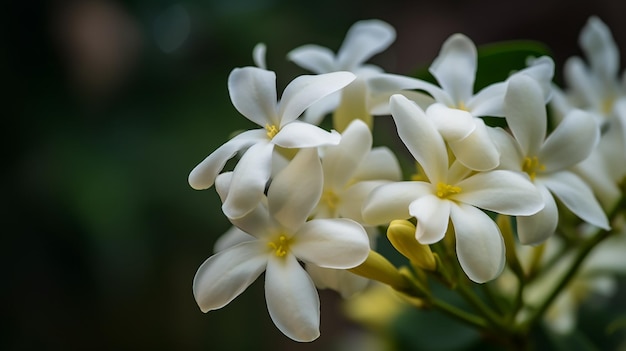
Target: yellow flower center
[(461, 106), (531, 166), (280, 245), (607, 105), (272, 130), (330, 199), (445, 190)]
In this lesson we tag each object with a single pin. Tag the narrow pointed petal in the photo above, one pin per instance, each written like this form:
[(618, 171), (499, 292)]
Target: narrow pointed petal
[(344, 282), (315, 58), (479, 244), (577, 196), (225, 275), (292, 301), (305, 90), (354, 197), (363, 40), (295, 191), (341, 161), (477, 151), (455, 67), (420, 136), (452, 123), (579, 79), (258, 55), (571, 142), (338, 243), (391, 201), (541, 70), (203, 175), (511, 157), (501, 191), (535, 229), (249, 179), (600, 49), (315, 113), (385, 83), (257, 222), (432, 215), (303, 135), (253, 93), (379, 163), (525, 113)]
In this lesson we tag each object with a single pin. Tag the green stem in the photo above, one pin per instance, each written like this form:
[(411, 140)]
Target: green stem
[(461, 315), (479, 305)]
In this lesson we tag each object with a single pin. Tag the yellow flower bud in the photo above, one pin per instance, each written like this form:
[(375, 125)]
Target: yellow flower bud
[(401, 234)]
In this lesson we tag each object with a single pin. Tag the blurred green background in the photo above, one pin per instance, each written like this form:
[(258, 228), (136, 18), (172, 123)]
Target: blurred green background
[(110, 104)]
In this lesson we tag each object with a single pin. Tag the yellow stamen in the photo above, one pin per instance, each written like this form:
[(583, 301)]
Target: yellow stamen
[(461, 106), (330, 199), (531, 165), (272, 130), (280, 246), (607, 105), (444, 190)]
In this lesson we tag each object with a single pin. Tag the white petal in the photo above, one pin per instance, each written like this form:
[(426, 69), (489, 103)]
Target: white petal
[(253, 93), (581, 81), (577, 196), (541, 70), (304, 135), (571, 142), (292, 300), (477, 151), (341, 161), (249, 179), (353, 105), (379, 163), (455, 67), (331, 243), (510, 155), (479, 244), (525, 113), (222, 184), (420, 136), (315, 58), (305, 90), (385, 83), (203, 175), (316, 113), (488, 102), (452, 123), (391, 201), (295, 191), (225, 275), (258, 55), (432, 215), (363, 40), (342, 281), (232, 237), (501, 191), (353, 199), (600, 49), (257, 222), (535, 229)]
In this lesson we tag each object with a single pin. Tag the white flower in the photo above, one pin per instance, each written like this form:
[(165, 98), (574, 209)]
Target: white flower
[(253, 93), (363, 40), (451, 193), (282, 237), (352, 169), (547, 160), (455, 71)]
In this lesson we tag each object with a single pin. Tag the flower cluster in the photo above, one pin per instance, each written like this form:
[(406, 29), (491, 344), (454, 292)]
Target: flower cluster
[(306, 203)]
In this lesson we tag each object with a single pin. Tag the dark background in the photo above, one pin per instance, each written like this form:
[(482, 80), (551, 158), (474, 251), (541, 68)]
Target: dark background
[(110, 104)]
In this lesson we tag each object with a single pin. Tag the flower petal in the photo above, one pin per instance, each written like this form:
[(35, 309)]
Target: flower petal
[(420, 136), (525, 113), (477, 151), (571, 142), (455, 67), (315, 113), (488, 102), (295, 191), (232, 237), (576, 196), (432, 215), (600, 49), (253, 93), (385, 83), (479, 244), (203, 175), (501, 191), (305, 90), (225, 275), (379, 163), (354, 197), (391, 201), (258, 55), (338, 243), (535, 229), (340, 161), (342, 281), (249, 179), (452, 123), (363, 40), (292, 301), (303, 135), (315, 58)]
